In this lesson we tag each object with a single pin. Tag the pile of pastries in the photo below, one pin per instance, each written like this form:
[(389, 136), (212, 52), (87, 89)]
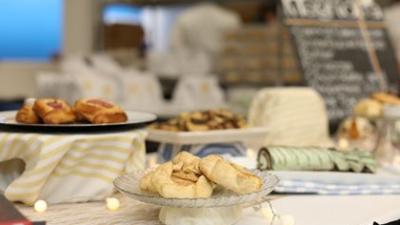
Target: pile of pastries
[(58, 111), (217, 119), (372, 107), (188, 176)]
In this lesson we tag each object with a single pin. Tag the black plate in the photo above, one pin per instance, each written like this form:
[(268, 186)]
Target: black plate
[(135, 120)]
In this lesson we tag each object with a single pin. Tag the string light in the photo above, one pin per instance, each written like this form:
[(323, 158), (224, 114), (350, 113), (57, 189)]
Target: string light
[(251, 153), (343, 143), (287, 220), (112, 204), (268, 214), (272, 217), (40, 206)]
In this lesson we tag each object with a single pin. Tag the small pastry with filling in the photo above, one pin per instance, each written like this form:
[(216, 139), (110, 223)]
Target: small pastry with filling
[(26, 114), (99, 111), (54, 111)]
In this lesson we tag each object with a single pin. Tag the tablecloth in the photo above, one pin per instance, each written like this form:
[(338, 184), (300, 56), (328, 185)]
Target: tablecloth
[(306, 210), (66, 167)]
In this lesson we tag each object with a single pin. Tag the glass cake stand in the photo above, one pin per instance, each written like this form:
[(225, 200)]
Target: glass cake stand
[(223, 207)]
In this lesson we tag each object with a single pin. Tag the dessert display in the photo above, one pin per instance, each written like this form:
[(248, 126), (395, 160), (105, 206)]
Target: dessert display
[(188, 176), (57, 111), (369, 108), (203, 121), (315, 159), (386, 98), (372, 107)]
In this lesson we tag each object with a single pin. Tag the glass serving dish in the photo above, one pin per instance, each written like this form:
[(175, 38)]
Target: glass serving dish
[(128, 184)]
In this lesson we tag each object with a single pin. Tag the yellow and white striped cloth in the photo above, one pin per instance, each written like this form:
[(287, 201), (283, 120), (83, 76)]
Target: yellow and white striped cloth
[(64, 167)]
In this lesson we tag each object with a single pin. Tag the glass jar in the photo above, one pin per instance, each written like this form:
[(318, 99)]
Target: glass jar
[(388, 145)]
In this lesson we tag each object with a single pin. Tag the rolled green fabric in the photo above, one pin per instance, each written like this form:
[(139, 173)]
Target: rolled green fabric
[(315, 159)]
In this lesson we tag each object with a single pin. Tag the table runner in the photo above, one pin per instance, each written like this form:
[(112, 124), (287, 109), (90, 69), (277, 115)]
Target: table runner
[(67, 167), (132, 212)]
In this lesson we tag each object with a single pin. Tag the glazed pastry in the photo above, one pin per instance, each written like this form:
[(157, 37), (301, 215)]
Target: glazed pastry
[(27, 115), (98, 111), (229, 175), (54, 111), (79, 117)]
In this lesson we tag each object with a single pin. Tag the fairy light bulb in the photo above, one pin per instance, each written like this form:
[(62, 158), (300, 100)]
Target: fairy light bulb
[(343, 143), (40, 206), (267, 213), (287, 220), (112, 204), (250, 153)]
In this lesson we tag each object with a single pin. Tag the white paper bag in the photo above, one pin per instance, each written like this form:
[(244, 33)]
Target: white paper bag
[(198, 92)]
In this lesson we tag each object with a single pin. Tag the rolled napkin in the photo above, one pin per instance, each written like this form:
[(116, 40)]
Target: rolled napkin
[(315, 159)]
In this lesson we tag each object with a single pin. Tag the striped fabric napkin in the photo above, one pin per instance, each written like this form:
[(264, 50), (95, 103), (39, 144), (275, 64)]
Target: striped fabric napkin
[(66, 168)]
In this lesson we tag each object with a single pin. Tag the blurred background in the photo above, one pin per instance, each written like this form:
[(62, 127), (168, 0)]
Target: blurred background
[(161, 56)]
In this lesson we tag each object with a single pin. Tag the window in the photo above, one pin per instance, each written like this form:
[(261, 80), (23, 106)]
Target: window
[(30, 29), (120, 13)]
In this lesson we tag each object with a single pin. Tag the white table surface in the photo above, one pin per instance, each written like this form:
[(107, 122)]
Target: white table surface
[(339, 210)]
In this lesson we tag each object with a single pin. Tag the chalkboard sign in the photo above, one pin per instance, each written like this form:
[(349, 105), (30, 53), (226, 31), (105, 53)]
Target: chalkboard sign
[(343, 49)]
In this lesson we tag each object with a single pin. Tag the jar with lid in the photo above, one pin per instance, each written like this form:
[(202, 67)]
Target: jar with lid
[(387, 150)]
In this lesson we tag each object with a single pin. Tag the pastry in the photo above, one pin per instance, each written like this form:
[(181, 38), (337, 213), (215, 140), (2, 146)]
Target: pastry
[(146, 183), (190, 163), (369, 108), (386, 98), (229, 175), (187, 176), (180, 178), (98, 111), (203, 121), (355, 128), (26, 114), (169, 186), (54, 111)]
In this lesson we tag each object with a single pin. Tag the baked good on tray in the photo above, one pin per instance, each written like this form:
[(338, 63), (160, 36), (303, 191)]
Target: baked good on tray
[(26, 114), (386, 98), (57, 111), (54, 111), (217, 119), (229, 175), (99, 111), (188, 176), (372, 107)]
